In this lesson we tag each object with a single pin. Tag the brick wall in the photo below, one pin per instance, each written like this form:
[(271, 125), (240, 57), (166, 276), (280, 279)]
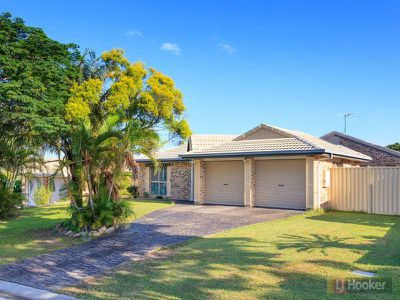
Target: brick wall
[(180, 180), (379, 157), (140, 179)]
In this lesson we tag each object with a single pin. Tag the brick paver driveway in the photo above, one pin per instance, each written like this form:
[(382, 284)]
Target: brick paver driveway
[(157, 229)]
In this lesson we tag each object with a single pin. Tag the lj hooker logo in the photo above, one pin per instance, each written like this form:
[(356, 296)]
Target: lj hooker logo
[(359, 285)]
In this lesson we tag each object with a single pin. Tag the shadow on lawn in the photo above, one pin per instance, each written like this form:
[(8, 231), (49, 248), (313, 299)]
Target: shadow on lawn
[(192, 279), (209, 267), (383, 251)]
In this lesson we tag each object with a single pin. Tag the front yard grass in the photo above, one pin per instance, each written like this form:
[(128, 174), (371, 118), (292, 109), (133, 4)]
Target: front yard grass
[(283, 259), (31, 233)]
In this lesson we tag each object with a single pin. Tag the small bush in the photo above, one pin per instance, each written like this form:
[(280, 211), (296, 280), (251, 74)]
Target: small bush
[(9, 202), (134, 191), (106, 213), (18, 186), (160, 197), (42, 196)]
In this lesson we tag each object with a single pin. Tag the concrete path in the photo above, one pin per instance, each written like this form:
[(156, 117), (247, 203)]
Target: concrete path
[(14, 291), (158, 229)]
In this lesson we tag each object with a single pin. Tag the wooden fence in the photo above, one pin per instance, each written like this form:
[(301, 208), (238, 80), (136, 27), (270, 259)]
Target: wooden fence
[(368, 189)]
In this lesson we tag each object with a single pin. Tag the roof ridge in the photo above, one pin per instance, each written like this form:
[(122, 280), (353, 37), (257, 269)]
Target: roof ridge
[(262, 125), (301, 138)]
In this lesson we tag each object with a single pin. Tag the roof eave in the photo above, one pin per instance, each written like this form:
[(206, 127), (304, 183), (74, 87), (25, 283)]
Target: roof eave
[(258, 153), (352, 157), (160, 160)]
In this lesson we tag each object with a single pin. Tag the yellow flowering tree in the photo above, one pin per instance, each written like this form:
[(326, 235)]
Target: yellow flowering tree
[(115, 110), (133, 90)]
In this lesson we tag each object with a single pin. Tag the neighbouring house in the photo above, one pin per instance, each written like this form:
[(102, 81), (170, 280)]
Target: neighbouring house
[(265, 167), (44, 175), (381, 156)]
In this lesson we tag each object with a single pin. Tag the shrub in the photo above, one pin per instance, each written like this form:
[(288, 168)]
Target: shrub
[(42, 196), (106, 213), (134, 191), (124, 182), (9, 203)]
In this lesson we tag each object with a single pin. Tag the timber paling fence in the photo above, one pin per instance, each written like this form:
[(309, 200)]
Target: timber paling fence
[(374, 190)]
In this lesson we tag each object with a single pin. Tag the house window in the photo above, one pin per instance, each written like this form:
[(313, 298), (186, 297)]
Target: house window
[(158, 182)]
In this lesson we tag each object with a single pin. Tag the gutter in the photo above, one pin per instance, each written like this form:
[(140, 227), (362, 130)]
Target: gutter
[(272, 153)]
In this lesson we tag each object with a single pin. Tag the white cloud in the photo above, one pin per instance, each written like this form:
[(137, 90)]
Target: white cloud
[(170, 47), (133, 32), (226, 48)]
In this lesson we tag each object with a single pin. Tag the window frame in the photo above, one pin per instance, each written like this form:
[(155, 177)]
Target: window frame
[(160, 179)]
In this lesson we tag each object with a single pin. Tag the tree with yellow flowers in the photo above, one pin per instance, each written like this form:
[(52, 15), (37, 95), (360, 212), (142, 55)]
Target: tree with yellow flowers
[(118, 108)]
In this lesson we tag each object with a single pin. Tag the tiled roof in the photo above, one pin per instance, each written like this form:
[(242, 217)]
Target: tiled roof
[(258, 145), (291, 142), (203, 141), (166, 155), (195, 142)]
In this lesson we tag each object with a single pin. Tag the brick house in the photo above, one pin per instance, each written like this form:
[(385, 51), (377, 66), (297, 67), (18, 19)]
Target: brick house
[(266, 166), (381, 156)]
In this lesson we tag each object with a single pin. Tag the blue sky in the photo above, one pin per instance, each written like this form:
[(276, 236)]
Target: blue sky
[(294, 64)]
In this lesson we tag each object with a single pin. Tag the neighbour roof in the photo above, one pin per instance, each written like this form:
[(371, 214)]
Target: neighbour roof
[(329, 147), (171, 154), (50, 167), (365, 143), (292, 142)]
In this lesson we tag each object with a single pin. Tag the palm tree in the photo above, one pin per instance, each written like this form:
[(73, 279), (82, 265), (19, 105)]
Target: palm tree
[(133, 139), (17, 159)]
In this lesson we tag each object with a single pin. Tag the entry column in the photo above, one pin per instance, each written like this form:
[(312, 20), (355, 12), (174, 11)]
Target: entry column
[(199, 172), (249, 182)]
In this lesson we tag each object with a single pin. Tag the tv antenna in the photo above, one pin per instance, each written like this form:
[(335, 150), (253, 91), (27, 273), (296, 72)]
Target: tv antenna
[(346, 116)]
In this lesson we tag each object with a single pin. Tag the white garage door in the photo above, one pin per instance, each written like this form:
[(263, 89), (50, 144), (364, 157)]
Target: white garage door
[(281, 183), (224, 182)]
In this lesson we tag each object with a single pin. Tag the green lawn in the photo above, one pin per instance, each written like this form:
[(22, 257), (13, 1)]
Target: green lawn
[(31, 233), (289, 259)]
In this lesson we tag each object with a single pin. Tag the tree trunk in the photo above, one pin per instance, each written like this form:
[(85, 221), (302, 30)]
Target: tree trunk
[(67, 184)]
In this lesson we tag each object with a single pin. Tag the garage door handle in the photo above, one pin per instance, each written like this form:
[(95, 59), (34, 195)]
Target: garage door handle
[(281, 185), (225, 184)]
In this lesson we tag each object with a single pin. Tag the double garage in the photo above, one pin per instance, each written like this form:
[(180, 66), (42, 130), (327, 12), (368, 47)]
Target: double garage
[(279, 183)]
